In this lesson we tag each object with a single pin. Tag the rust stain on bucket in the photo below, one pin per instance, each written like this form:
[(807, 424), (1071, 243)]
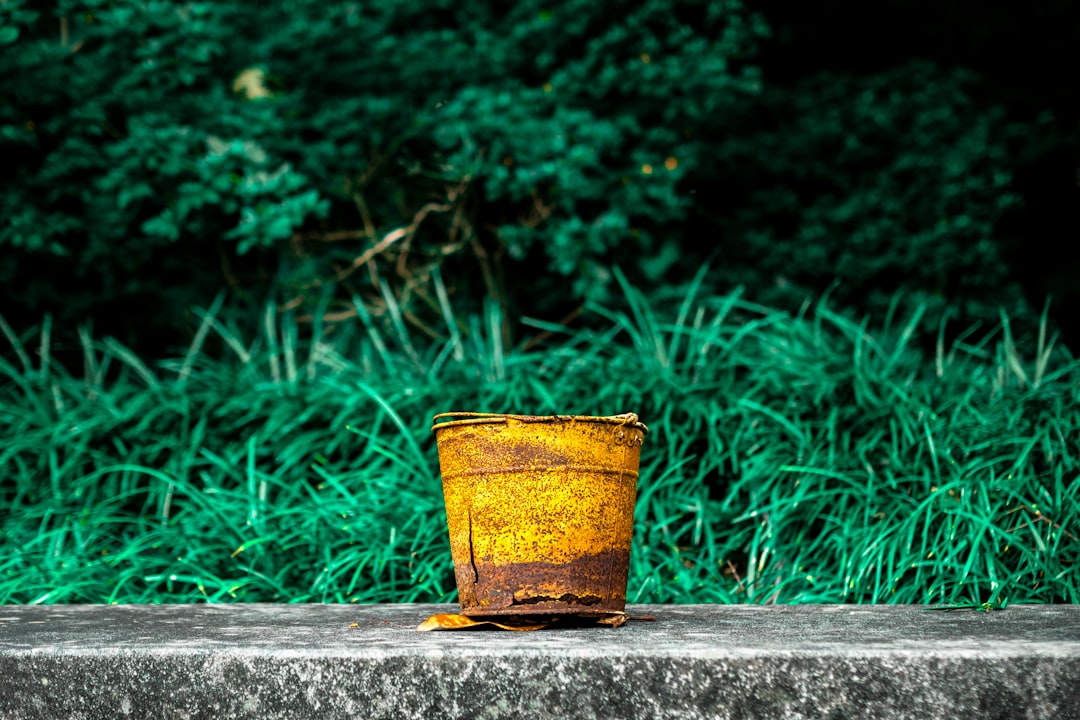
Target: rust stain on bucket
[(540, 510)]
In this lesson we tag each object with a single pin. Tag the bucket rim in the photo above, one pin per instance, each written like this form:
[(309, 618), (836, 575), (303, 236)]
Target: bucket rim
[(480, 418)]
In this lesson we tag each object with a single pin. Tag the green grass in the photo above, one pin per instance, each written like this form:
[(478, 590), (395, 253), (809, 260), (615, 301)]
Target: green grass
[(791, 459)]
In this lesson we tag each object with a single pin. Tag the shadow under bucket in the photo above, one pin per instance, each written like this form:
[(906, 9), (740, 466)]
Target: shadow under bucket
[(540, 510)]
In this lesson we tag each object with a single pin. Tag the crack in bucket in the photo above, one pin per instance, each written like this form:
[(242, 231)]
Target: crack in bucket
[(472, 552)]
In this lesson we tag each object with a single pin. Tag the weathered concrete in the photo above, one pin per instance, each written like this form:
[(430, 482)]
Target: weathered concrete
[(306, 661)]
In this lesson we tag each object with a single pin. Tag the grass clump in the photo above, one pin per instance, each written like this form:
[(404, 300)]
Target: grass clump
[(807, 458)]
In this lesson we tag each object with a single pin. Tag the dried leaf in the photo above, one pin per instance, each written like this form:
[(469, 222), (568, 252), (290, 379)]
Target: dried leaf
[(251, 83), (449, 621), (614, 619)]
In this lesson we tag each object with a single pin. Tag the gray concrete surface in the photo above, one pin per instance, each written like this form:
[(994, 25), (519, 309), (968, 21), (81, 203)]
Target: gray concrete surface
[(695, 661)]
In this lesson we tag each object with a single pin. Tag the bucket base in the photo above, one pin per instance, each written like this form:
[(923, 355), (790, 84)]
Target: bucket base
[(554, 607), (593, 584)]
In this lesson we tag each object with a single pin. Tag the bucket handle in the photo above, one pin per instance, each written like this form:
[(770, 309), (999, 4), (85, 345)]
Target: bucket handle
[(625, 418), (462, 415)]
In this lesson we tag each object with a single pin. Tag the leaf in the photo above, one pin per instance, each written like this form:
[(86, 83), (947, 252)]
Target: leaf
[(449, 621), (615, 620), (251, 83)]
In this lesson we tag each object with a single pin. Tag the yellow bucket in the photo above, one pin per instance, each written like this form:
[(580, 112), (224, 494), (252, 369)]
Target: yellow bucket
[(540, 510)]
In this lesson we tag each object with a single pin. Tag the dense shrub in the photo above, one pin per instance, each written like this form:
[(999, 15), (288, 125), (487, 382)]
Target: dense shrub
[(165, 150), (134, 158), (149, 133)]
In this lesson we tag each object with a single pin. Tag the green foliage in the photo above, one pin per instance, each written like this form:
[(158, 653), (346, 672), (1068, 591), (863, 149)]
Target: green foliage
[(595, 129), (790, 459), (143, 128), (164, 150), (129, 142)]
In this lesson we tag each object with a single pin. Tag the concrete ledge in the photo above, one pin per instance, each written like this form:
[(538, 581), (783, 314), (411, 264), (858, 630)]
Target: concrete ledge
[(695, 661)]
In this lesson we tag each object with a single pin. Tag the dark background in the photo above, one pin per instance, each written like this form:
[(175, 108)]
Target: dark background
[(1025, 55)]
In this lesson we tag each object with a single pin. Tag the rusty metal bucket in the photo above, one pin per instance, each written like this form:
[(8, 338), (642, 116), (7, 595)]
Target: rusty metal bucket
[(540, 510)]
